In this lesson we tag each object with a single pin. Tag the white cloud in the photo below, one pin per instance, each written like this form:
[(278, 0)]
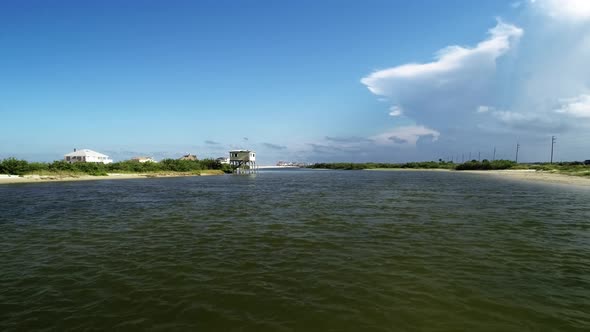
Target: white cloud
[(395, 111), (450, 62), (437, 93), (568, 10), (484, 109), (407, 135), (578, 107)]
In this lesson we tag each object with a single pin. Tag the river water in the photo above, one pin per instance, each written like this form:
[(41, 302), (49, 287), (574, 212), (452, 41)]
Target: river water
[(296, 251)]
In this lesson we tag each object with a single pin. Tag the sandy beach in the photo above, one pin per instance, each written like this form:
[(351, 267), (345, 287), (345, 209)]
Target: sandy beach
[(12, 179), (536, 176), (516, 174)]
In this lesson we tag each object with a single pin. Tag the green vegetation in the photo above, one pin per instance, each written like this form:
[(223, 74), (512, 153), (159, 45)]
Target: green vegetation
[(485, 165), (358, 166), (22, 167), (569, 168)]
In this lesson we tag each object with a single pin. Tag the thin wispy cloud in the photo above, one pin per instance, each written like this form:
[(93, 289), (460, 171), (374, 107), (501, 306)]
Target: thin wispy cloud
[(395, 111), (274, 146), (407, 135), (348, 139)]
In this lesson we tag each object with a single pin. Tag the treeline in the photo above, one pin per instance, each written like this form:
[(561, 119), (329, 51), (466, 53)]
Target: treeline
[(470, 165), (359, 166), (21, 167)]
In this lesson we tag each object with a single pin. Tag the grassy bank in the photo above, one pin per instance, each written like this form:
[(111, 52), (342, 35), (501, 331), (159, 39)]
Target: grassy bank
[(12, 166)]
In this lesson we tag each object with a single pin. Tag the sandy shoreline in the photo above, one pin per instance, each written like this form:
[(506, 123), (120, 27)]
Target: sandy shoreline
[(516, 174), (536, 176), (12, 179)]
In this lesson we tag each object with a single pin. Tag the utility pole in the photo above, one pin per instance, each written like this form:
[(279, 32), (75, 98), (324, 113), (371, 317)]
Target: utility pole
[(462, 157), (479, 155), (494, 158), (517, 148), (552, 143)]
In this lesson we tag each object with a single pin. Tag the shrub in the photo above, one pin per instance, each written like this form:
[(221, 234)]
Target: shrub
[(14, 166), (485, 165)]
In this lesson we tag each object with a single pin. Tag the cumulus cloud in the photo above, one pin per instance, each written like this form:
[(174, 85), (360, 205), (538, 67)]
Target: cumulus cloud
[(459, 79), (577, 107), (449, 63), (566, 10)]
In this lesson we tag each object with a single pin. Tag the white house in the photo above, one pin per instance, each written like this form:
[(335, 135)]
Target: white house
[(87, 156)]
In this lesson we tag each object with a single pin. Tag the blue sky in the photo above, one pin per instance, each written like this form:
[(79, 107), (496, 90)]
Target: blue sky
[(301, 80)]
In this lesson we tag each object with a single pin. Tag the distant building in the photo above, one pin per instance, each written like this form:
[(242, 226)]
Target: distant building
[(87, 156), (188, 157), (223, 160), (242, 155), (290, 164), (243, 160), (144, 159)]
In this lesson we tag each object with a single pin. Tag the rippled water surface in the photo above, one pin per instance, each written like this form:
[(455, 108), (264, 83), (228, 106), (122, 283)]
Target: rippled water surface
[(296, 250)]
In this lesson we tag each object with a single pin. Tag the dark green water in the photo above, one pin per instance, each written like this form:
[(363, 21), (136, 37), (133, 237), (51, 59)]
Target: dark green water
[(296, 251)]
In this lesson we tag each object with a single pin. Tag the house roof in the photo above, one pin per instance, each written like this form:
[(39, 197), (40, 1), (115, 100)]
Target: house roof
[(85, 153), (241, 151)]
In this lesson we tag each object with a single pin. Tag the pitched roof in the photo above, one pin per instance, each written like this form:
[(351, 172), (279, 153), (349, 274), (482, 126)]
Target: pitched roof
[(85, 153)]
